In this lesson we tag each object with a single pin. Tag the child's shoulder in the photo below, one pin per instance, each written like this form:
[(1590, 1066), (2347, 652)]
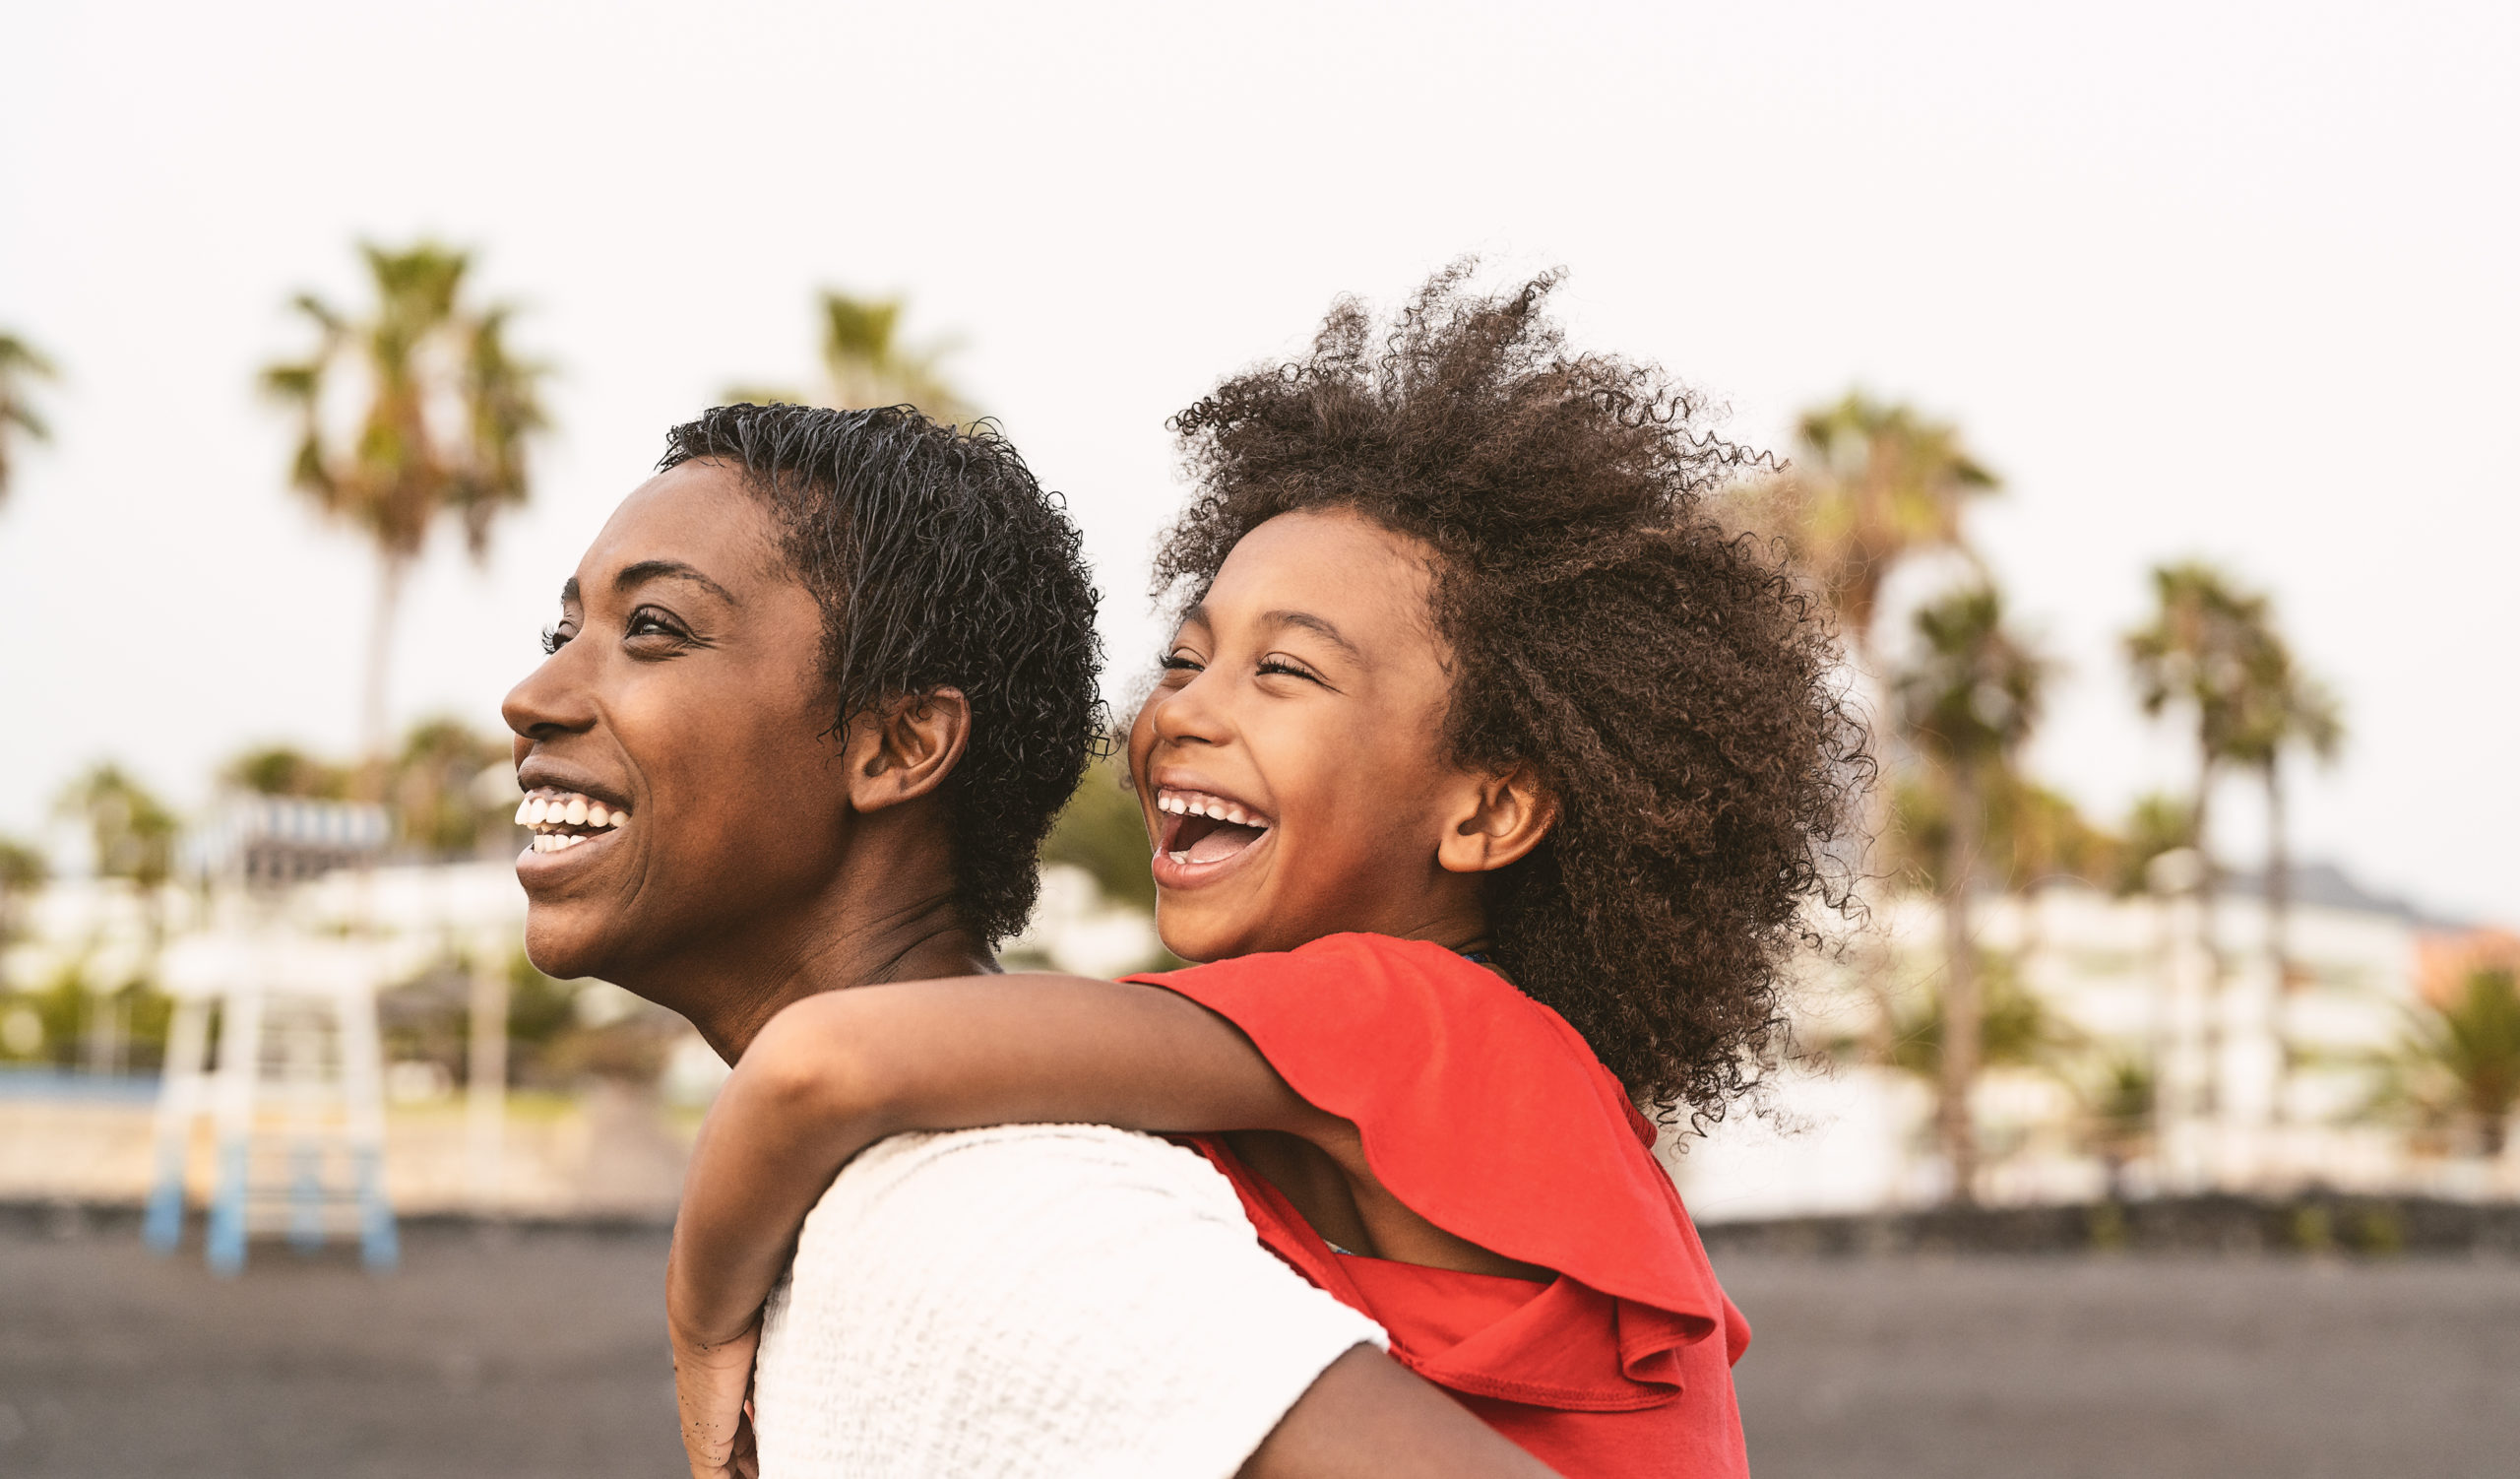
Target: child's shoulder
[(1480, 1109), (1365, 978), (1370, 1011)]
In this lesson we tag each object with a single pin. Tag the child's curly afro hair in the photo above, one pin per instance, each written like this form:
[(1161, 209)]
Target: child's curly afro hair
[(1669, 680)]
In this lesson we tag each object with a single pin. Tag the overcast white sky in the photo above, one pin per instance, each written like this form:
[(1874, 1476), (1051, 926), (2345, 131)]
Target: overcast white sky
[(2227, 280)]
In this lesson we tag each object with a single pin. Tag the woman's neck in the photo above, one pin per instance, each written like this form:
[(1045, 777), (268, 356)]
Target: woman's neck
[(886, 914)]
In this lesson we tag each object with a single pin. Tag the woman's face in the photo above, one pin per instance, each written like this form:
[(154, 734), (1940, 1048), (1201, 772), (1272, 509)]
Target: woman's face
[(683, 696), (1290, 764)]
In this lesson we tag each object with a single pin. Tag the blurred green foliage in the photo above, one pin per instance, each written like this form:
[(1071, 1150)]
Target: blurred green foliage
[(866, 363), (132, 831), (20, 365), (1103, 831), (2457, 1070), (2016, 1029), (434, 784), (71, 1005)]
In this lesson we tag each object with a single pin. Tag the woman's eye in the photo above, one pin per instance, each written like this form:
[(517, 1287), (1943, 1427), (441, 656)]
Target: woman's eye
[(555, 638), (648, 623)]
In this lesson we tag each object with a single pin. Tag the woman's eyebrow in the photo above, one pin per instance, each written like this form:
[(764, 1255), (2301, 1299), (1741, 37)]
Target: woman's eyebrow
[(646, 570)]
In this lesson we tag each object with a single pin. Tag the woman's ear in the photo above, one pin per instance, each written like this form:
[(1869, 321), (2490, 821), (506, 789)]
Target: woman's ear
[(906, 747), (1508, 815)]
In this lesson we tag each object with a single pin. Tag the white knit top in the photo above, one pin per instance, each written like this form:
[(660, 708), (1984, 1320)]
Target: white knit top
[(1034, 1302)]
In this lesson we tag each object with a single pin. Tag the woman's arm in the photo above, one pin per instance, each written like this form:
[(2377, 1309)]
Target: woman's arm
[(834, 1074)]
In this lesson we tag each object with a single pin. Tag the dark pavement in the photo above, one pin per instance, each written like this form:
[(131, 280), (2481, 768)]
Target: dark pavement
[(2068, 1365), (539, 1355)]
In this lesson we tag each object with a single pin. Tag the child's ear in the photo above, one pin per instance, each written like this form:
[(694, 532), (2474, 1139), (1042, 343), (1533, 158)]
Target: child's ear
[(906, 747), (1509, 816)]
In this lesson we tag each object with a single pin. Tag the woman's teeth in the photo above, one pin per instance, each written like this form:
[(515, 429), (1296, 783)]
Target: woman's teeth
[(546, 814)]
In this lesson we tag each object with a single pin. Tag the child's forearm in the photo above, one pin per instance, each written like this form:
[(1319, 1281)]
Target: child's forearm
[(769, 1145), (833, 1074)]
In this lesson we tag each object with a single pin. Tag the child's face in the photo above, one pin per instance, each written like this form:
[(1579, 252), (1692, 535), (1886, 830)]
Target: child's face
[(1291, 761)]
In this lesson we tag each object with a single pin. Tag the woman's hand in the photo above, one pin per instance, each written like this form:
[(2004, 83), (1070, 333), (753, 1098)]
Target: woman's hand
[(713, 1391)]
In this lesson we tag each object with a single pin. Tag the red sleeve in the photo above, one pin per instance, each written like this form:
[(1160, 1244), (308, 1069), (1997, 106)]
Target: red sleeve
[(1484, 1113)]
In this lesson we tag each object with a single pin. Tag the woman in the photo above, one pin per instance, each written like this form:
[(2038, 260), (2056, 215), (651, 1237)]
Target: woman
[(815, 694)]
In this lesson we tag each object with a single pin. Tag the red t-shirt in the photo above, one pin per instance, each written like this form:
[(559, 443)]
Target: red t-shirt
[(1484, 1113)]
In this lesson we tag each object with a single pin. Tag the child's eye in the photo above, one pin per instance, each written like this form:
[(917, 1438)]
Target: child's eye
[(1289, 669), (1174, 662)]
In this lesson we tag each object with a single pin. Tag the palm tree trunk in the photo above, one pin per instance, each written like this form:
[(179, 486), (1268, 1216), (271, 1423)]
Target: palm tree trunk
[(2209, 1098), (391, 568), (1872, 957), (1961, 1007), (2279, 930)]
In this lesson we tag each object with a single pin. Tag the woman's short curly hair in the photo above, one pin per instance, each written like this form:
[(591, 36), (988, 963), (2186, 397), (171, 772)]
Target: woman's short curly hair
[(1672, 684), (939, 562)]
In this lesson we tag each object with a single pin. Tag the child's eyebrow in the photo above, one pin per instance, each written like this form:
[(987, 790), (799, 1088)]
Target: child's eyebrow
[(1317, 626)]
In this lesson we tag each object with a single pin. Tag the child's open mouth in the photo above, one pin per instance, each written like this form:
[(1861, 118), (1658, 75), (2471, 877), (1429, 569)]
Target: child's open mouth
[(1200, 831)]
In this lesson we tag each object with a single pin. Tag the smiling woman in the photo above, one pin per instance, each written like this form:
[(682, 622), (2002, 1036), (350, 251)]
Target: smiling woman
[(780, 577)]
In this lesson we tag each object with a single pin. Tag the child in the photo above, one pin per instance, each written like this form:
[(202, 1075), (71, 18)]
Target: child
[(1494, 777)]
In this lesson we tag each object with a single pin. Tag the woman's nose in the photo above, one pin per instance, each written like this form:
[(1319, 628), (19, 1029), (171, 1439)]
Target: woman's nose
[(549, 702)]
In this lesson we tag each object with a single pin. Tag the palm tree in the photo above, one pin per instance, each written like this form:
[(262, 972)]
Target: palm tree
[(133, 832), (2462, 1060), (1967, 702), (20, 364), (438, 792), (2119, 1117), (442, 414), (2201, 651), (2156, 824), (2014, 1030), (1872, 484), (22, 870), (2285, 708), (865, 363)]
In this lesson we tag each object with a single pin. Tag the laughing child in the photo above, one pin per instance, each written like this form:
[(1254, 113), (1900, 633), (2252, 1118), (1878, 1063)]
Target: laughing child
[(1494, 780)]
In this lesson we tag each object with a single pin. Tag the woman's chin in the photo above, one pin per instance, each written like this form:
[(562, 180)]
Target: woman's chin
[(561, 948)]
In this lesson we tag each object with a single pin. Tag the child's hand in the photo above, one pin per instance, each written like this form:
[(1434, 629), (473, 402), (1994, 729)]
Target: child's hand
[(713, 1389)]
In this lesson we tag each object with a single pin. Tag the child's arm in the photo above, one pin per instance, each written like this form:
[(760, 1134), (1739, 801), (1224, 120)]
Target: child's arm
[(834, 1074)]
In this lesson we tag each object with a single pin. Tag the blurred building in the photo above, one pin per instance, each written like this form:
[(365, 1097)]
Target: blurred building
[(2123, 1064)]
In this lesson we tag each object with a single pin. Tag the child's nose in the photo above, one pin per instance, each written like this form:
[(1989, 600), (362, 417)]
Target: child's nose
[(1190, 713)]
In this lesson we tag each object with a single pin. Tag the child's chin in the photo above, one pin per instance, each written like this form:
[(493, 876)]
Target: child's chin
[(1198, 935)]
